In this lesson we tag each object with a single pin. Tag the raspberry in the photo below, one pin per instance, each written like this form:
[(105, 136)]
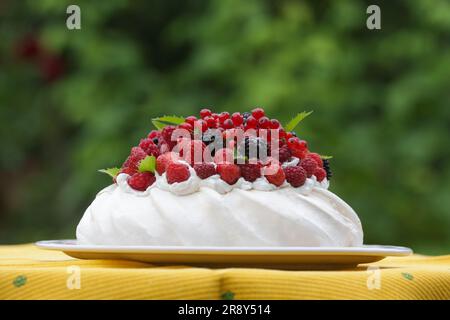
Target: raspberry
[(230, 173), (316, 157), (258, 113), (205, 170), (310, 166), (250, 172), (278, 177), (283, 153), (156, 137), (167, 135), (196, 148), (301, 154), (295, 175), (205, 113), (128, 171), (163, 161), (320, 174), (149, 147), (141, 181), (136, 155), (177, 172)]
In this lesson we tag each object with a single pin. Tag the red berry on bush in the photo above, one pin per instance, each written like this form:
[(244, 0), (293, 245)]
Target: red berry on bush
[(258, 113), (211, 122)]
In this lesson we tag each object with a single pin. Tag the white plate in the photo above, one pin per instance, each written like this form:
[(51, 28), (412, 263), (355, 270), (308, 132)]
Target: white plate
[(278, 257)]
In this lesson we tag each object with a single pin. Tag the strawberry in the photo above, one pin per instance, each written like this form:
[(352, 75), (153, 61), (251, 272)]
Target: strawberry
[(230, 173)]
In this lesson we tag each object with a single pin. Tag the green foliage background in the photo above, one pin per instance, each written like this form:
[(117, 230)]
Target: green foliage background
[(381, 100)]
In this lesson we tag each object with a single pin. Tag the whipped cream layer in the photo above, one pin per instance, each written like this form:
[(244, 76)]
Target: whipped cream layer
[(216, 214)]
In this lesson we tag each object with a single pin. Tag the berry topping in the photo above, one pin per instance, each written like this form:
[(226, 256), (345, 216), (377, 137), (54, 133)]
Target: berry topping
[(230, 173), (237, 119), (135, 157), (141, 181), (128, 171), (326, 166), (251, 123), (177, 172), (190, 120), (250, 172), (228, 124), (310, 166), (284, 154), (194, 150), (316, 157), (224, 155), (205, 113), (258, 113), (320, 174), (149, 147), (253, 147), (167, 136), (205, 170), (295, 175), (264, 123), (274, 124), (224, 116), (163, 161), (276, 178)]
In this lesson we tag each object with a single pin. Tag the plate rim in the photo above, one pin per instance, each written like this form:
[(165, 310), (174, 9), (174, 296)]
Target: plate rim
[(372, 250)]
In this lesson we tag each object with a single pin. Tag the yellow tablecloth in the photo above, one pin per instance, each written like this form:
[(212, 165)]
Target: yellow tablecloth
[(27, 272)]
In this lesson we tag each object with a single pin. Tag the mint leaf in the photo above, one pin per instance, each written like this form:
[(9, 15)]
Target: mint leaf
[(112, 172), (323, 157), (148, 164), (161, 122), (290, 126)]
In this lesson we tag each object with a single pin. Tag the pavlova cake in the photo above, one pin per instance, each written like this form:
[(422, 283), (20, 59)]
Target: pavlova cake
[(221, 180)]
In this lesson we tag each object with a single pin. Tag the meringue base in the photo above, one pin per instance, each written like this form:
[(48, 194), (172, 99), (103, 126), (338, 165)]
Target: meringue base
[(282, 217)]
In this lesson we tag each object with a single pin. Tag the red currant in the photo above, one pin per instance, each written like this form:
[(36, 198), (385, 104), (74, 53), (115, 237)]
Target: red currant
[(185, 126), (251, 123), (223, 116), (211, 122), (228, 124), (237, 119), (274, 124), (205, 113), (191, 120), (258, 113), (264, 123), (202, 124)]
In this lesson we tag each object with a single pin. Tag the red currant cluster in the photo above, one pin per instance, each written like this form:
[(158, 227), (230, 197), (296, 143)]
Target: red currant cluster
[(161, 145)]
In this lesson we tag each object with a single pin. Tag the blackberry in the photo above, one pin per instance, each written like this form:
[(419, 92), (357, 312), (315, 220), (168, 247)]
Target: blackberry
[(248, 147), (245, 116), (326, 166)]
